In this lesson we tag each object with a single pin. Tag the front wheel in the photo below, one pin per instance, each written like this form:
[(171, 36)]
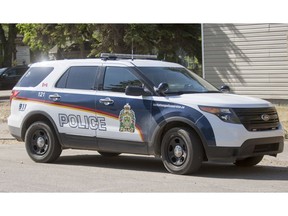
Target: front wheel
[(248, 162), (181, 151), (41, 143)]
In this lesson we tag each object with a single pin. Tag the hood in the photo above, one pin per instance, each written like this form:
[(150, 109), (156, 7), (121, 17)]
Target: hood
[(220, 100)]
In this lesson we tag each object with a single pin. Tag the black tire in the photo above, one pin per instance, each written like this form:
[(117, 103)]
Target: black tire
[(181, 151), (41, 143), (248, 162), (109, 154)]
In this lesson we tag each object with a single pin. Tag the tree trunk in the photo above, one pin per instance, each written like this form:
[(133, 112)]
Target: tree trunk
[(2, 43), (8, 45), (82, 50)]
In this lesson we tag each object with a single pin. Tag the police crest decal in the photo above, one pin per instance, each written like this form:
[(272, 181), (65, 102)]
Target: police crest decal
[(127, 119)]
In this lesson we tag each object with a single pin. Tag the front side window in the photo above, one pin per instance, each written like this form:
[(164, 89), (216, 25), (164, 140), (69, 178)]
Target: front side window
[(11, 73), (14, 72), (20, 71), (34, 76), (80, 77), (118, 78)]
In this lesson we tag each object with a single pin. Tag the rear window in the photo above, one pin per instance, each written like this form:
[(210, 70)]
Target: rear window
[(34, 76)]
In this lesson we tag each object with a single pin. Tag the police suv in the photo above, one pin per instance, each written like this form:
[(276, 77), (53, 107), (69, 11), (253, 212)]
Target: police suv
[(116, 105)]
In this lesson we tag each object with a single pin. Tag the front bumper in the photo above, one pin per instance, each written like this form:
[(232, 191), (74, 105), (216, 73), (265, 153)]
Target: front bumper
[(250, 148)]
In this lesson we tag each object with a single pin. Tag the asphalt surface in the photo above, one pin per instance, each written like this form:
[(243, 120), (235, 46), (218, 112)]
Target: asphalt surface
[(87, 171)]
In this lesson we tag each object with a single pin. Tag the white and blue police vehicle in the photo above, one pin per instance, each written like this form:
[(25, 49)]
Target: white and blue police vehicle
[(118, 104)]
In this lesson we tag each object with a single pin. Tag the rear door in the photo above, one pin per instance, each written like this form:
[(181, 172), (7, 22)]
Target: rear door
[(73, 102)]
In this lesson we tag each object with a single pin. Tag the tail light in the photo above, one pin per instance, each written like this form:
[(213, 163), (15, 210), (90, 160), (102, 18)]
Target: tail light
[(14, 94)]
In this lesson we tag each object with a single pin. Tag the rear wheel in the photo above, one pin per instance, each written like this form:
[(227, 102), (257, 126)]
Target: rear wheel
[(108, 154), (181, 151), (41, 143), (248, 162)]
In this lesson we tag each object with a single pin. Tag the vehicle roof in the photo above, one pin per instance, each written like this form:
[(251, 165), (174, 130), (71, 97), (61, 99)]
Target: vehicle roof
[(97, 61)]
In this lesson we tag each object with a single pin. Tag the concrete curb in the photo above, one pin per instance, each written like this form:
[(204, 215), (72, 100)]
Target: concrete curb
[(5, 95), (8, 138), (4, 98)]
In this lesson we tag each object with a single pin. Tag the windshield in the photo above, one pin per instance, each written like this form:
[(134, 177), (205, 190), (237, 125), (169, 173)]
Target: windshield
[(179, 80), (2, 70)]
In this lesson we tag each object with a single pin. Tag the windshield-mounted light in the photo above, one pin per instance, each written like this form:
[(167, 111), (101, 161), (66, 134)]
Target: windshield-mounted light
[(225, 114)]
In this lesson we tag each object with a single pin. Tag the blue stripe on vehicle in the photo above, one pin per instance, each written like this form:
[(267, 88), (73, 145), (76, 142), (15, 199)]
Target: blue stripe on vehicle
[(160, 111)]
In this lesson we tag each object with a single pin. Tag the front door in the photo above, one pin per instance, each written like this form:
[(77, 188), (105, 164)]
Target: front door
[(126, 117)]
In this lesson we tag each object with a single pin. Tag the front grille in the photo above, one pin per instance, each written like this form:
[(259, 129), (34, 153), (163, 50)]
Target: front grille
[(258, 119)]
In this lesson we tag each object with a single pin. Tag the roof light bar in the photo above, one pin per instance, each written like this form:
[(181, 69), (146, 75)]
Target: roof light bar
[(114, 56)]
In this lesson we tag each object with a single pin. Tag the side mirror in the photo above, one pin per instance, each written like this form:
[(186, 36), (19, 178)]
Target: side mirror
[(136, 91), (225, 89), (162, 88)]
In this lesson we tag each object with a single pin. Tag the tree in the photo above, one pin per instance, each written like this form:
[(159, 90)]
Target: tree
[(8, 33), (45, 36), (109, 38), (166, 40), (173, 42)]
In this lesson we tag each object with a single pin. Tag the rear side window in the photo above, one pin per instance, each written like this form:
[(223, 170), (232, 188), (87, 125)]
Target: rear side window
[(80, 77), (34, 76)]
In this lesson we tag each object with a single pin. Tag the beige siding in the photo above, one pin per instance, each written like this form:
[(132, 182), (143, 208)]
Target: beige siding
[(251, 58)]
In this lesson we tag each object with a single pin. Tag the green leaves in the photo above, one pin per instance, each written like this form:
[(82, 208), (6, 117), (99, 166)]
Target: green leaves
[(172, 42)]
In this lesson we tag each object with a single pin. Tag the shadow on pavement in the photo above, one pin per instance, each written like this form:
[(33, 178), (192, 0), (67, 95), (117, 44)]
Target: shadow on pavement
[(151, 164), (230, 171), (138, 163)]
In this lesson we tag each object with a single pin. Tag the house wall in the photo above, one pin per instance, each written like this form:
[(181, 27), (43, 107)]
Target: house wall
[(251, 58)]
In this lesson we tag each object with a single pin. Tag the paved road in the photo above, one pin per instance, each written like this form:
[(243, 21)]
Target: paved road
[(87, 171)]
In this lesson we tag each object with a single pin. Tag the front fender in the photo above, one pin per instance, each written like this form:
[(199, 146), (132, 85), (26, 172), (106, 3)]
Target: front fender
[(201, 126)]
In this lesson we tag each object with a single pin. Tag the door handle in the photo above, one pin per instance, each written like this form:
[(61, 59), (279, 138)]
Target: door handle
[(106, 101), (55, 97)]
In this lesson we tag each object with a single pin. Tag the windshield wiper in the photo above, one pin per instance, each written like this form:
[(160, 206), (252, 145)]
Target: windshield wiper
[(189, 92), (211, 92), (181, 92)]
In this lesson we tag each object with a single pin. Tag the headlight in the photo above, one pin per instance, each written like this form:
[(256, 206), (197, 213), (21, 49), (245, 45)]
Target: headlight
[(225, 114)]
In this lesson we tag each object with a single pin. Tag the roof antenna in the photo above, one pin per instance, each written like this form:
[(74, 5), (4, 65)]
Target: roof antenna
[(132, 50)]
